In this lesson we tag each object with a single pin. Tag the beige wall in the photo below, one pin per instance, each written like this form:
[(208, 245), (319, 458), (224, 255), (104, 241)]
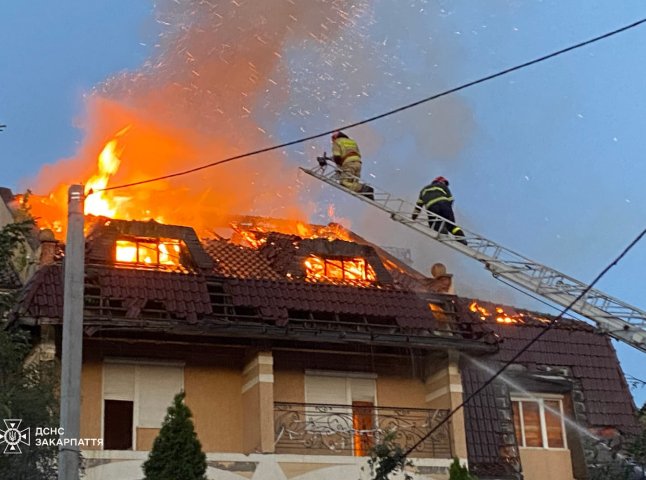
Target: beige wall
[(444, 390), (289, 386), (232, 413), (401, 392), (91, 403), (146, 437), (258, 404), (213, 395), (541, 464)]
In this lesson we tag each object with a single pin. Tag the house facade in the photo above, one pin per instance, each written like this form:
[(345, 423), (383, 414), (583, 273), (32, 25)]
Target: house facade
[(299, 350)]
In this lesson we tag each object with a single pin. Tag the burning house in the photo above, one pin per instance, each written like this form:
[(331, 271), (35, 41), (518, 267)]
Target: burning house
[(300, 346)]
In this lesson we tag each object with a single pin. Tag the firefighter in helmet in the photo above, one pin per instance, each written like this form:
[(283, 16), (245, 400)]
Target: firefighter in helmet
[(436, 198), (346, 155)]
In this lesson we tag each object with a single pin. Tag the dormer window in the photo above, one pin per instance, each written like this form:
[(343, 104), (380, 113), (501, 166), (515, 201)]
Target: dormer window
[(339, 269), (149, 252)]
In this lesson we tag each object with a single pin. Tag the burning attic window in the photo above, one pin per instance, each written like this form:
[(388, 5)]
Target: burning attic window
[(149, 252), (339, 269)]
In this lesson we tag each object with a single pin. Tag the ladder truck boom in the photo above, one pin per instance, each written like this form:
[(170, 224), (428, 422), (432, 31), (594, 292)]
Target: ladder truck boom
[(612, 316)]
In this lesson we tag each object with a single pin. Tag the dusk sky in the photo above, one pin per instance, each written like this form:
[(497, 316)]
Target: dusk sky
[(547, 161)]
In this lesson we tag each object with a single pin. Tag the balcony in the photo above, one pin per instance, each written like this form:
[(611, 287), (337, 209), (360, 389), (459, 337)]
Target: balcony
[(310, 429)]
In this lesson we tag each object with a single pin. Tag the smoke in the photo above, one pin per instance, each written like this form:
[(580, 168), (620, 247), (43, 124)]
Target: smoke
[(227, 77), (214, 87)]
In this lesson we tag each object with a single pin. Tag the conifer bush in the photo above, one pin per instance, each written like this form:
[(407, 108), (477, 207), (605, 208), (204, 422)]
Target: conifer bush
[(177, 452), (459, 472)]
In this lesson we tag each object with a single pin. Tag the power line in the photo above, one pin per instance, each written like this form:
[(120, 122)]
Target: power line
[(522, 350), (382, 115)]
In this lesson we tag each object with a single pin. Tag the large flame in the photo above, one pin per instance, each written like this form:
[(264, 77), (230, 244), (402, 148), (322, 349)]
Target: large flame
[(253, 233), (351, 270), (212, 89), (97, 201)]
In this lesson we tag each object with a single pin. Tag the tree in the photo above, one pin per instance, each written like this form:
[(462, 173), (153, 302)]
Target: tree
[(27, 389), (177, 452), (459, 472), (387, 457)]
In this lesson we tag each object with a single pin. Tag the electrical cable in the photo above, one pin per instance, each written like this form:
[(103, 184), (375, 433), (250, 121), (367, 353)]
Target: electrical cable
[(380, 116), (521, 351)]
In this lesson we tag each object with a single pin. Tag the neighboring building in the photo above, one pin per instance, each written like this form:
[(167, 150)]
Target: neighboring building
[(15, 273), (297, 353), (9, 278), (11, 275)]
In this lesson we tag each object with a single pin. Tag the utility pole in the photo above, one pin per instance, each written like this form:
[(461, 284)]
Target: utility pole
[(74, 273)]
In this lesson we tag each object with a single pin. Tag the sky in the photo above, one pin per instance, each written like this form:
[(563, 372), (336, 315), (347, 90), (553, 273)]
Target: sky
[(546, 161)]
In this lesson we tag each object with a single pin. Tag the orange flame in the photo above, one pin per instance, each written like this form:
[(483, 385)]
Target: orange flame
[(198, 99), (500, 315), (150, 148), (97, 202), (148, 252), (353, 270), (254, 234)]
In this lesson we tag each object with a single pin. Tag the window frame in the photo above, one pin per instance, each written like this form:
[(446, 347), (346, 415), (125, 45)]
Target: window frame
[(331, 262), (140, 243), (350, 398), (136, 363), (540, 400)]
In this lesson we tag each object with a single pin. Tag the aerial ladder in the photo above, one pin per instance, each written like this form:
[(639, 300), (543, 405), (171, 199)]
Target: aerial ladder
[(612, 316)]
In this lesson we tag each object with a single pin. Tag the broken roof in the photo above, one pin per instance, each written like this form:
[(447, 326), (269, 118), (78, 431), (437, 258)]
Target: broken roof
[(238, 284)]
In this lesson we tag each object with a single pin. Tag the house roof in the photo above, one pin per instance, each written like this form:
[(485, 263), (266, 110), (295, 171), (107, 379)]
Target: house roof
[(571, 349), (163, 301), (236, 261)]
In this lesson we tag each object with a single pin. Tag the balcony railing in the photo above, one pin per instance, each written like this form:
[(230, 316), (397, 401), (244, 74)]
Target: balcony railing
[(354, 429)]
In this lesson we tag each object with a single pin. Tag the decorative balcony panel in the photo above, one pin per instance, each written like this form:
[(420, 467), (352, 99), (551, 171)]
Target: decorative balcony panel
[(318, 429)]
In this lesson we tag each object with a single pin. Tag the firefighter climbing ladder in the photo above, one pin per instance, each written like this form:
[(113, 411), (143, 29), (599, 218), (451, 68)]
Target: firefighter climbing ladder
[(619, 319)]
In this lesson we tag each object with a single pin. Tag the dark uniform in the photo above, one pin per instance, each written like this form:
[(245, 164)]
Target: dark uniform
[(436, 198)]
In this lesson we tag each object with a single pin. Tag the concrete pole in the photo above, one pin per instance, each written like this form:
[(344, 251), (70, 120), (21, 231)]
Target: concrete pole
[(74, 272)]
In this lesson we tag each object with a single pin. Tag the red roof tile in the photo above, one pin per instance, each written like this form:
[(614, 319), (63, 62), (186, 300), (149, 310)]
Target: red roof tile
[(589, 356), (235, 261)]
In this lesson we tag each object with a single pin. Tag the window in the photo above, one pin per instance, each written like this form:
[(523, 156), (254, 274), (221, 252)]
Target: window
[(136, 396), (342, 406), (151, 252), (352, 269), (117, 434), (539, 422)]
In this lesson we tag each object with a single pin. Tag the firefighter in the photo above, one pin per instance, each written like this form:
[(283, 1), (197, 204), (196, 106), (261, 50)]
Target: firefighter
[(346, 155), (436, 198)]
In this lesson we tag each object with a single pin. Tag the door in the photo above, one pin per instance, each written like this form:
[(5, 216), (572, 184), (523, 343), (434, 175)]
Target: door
[(363, 424)]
